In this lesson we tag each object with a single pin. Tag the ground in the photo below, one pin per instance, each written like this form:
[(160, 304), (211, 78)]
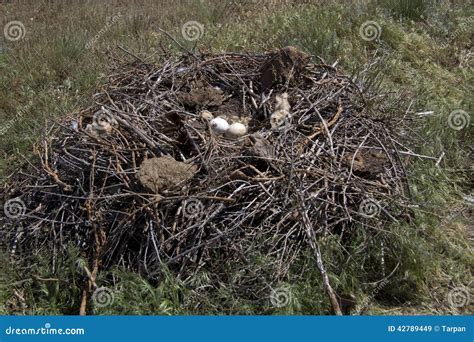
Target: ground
[(419, 50)]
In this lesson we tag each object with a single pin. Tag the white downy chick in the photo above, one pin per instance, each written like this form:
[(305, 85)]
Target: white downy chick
[(207, 115), (282, 111)]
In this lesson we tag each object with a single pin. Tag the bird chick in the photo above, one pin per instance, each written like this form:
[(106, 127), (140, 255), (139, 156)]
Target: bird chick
[(261, 146), (207, 115), (102, 123), (282, 102), (282, 111)]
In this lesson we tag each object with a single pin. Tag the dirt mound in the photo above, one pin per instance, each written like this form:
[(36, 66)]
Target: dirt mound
[(201, 97), (282, 66), (160, 174)]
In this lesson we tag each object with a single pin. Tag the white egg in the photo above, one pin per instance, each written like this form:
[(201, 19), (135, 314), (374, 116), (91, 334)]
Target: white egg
[(236, 130), (219, 125)]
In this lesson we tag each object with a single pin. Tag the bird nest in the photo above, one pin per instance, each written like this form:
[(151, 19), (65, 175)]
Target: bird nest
[(141, 180)]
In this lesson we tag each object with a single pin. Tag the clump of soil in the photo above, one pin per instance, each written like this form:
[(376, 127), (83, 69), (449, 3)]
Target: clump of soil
[(282, 65), (159, 174), (202, 97), (368, 162)]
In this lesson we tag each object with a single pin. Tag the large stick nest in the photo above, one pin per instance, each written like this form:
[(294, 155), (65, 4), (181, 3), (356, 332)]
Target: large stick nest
[(205, 200)]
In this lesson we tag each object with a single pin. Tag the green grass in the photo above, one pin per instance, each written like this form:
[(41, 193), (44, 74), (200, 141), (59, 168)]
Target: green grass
[(50, 74)]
